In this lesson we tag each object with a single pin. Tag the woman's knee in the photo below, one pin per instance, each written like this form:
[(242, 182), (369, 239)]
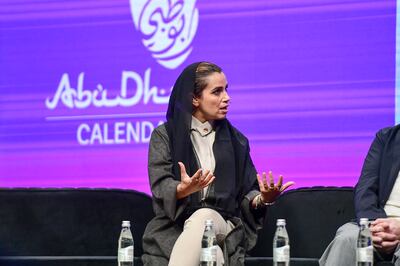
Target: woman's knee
[(199, 217)]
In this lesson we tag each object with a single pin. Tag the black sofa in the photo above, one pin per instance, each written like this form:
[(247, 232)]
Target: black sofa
[(46, 227), (68, 227)]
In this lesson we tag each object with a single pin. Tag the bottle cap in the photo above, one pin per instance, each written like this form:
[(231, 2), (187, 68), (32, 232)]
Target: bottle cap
[(364, 221), (281, 222), (209, 222), (126, 223)]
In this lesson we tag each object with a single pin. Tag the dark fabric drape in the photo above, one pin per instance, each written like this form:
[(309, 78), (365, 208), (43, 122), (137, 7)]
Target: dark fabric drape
[(230, 149), (179, 117)]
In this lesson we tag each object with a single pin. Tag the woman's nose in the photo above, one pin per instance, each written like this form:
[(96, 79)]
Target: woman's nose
[(227, 98)]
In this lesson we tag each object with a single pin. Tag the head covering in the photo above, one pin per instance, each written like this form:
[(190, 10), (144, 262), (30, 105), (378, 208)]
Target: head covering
[(179, 117), (231, 150)]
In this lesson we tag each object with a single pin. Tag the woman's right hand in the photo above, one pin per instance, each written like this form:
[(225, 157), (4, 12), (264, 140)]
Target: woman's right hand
[(189, 185)]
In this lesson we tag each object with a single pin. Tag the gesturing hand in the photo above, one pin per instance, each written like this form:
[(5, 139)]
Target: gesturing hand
[(270, 191), (189, 185)]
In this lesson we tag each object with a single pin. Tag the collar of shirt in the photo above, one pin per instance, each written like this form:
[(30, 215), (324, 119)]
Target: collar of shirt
[(203, 128)]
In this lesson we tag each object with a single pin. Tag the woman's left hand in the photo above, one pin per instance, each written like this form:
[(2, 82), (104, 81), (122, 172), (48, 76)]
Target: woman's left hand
[(270, 191)]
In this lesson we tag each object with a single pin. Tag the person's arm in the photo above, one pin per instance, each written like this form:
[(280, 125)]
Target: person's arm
[(169, 192), (253, 212), (162, 181), (366, 191)]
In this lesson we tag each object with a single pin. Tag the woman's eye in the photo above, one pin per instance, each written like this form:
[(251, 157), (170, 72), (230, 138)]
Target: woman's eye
[(217, 92)]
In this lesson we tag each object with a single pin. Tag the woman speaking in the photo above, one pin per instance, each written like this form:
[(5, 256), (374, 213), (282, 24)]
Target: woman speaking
[(200, 168)]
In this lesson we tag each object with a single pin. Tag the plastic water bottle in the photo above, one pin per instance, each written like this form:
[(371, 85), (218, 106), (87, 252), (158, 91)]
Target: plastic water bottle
[(365, 252), (208, 256), (125, 245), (281, 247)]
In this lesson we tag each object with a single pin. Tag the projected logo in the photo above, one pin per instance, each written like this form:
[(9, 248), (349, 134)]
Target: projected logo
[(167, 27)]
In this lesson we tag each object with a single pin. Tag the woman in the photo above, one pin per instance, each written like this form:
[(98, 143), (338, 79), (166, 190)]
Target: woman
[(200, 168)]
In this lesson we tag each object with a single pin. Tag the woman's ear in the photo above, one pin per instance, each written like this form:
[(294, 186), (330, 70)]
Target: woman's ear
[(195, 101)]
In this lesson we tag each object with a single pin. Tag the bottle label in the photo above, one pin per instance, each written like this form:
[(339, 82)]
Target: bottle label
[(365, 254), (209, 254), (282, 254), (125, 254)]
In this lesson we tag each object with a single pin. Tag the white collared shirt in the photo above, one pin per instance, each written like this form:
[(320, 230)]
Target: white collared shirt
[(203, 136), (392, 206)]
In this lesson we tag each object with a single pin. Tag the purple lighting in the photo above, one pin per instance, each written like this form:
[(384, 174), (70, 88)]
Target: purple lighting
[(83, 84)]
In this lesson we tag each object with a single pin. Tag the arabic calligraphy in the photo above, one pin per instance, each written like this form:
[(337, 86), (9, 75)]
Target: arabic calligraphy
[(168, 28), (139, 90)]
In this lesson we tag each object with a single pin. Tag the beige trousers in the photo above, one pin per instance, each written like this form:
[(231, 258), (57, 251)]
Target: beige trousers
[(187, 248)]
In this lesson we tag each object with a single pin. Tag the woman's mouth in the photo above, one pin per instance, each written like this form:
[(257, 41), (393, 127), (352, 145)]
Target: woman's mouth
[(224, 109)]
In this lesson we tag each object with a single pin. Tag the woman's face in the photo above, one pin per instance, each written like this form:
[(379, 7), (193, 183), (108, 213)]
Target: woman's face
[(214, 100)]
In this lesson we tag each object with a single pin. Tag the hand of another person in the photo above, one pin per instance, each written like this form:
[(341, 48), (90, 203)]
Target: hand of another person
[(270, 191), (385, 234), (189, 185)]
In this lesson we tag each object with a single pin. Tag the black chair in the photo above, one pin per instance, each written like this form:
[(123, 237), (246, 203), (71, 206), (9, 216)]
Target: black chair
[(68, 226), (312, 215)]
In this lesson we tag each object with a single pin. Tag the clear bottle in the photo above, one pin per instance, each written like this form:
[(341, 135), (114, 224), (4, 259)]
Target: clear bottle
[(281, 247), (208, 256), (365, 252), (125, 245)]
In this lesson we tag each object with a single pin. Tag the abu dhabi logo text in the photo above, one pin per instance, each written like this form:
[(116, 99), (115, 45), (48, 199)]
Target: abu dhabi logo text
[(167, 27)]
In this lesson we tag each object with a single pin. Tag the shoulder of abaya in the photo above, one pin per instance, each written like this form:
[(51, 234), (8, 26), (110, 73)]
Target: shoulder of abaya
[(162, 131)]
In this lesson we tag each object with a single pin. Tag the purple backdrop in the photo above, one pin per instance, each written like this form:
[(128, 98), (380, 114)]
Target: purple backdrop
[(83, 83)]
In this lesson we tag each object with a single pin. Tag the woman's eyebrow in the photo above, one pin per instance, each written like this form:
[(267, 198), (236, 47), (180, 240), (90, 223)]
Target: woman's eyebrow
[(218, 88), (221, 87)]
